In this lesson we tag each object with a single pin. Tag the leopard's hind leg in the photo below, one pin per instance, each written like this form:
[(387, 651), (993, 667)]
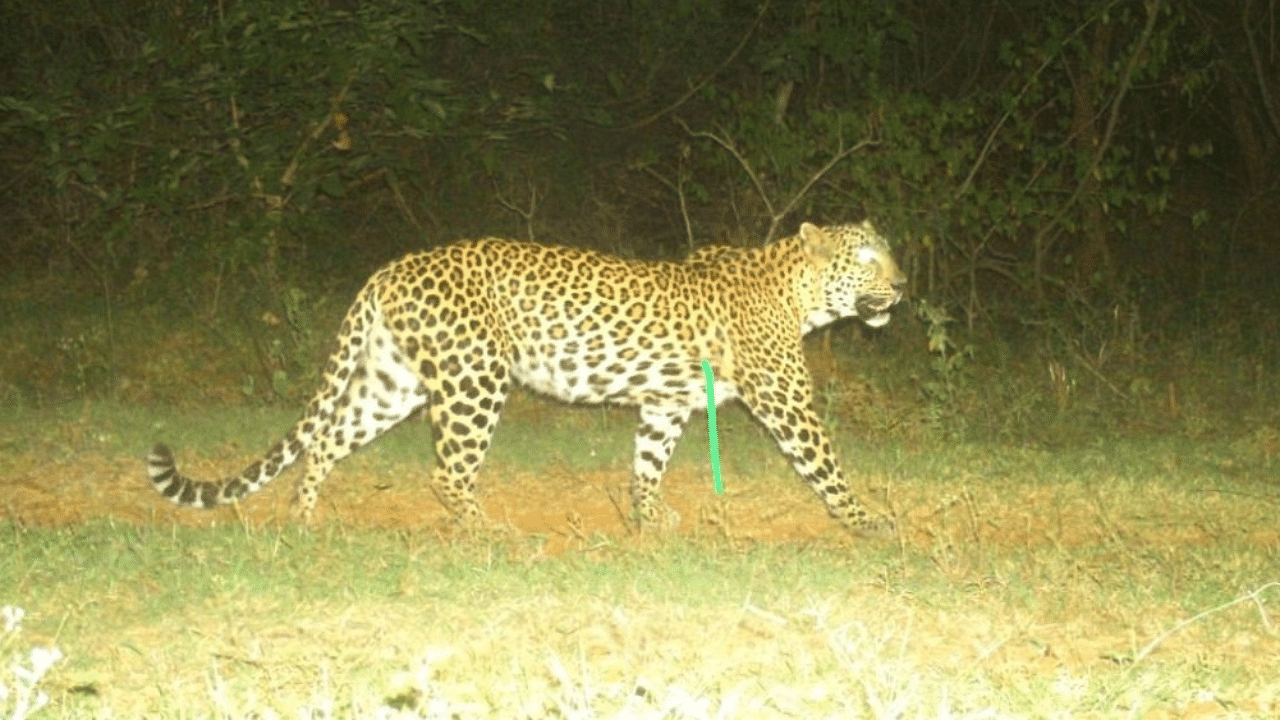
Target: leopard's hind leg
[(383, 390)]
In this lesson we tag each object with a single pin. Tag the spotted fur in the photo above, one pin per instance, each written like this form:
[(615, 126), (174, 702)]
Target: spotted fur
[(453, 328)]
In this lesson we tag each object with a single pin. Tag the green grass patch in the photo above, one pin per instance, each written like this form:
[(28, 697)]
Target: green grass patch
[(1120, 578), (179, 622)]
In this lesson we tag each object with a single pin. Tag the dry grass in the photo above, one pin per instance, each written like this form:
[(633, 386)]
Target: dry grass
[(863, 651), (1111, 581)]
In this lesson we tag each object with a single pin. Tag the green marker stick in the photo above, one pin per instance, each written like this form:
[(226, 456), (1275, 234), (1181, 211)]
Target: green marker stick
[(713, 437)]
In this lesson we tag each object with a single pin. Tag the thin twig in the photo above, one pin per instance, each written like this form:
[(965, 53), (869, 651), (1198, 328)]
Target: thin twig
[(1267, 104), (986, 147), (527, 215), (775, 217), (622, 514), (702, 83), (676, 187), (1253, 596), (684, 208), (746, 164), (287, 177), (1080, 358), (841, 153), (1126, 79)]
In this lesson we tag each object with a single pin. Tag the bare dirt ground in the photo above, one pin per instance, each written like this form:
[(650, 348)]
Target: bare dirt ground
[(572, 508), (575, 510), (568, 507)]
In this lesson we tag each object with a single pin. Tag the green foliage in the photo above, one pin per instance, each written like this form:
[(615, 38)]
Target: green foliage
[(1002, 179), (235, 115), (263, 117), (243, 130), (949, 390), (1091, 541), (208, 159)]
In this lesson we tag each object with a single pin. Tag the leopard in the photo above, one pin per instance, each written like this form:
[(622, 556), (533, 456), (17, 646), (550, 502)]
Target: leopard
[(454, 328)]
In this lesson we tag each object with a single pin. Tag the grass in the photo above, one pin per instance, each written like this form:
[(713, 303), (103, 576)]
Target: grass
[(180, 622), (1125, 578)]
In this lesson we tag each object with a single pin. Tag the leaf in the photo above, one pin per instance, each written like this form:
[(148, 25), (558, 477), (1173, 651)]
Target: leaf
[(87, 173), (599, 117), (331, 185), (615, 83), (280, 383)]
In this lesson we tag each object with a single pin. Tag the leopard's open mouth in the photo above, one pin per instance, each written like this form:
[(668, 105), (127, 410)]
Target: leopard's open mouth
[(871, 307)]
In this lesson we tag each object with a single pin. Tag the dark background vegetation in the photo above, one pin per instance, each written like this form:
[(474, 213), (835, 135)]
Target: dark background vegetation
[(1084, 194)]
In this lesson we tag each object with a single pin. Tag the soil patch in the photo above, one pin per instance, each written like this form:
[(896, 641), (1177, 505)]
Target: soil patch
[(575, 509)]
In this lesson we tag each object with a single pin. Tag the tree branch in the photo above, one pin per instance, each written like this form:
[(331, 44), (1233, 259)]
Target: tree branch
[(986, 147), (746, 165), (1126, 78), (702, 83), (1267, 103), (775, 216)]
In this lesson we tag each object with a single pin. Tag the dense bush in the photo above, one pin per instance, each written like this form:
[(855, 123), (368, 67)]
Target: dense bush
[(245, 164)]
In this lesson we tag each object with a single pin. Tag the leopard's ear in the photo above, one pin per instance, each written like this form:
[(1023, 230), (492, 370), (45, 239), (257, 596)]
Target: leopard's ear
[(820, 245)]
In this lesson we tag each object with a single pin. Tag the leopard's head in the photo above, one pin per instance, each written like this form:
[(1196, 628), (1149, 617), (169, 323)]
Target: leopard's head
[(857, 274)]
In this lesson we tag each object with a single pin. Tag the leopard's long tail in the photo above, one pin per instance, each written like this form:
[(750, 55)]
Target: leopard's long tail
[(187, 491)]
